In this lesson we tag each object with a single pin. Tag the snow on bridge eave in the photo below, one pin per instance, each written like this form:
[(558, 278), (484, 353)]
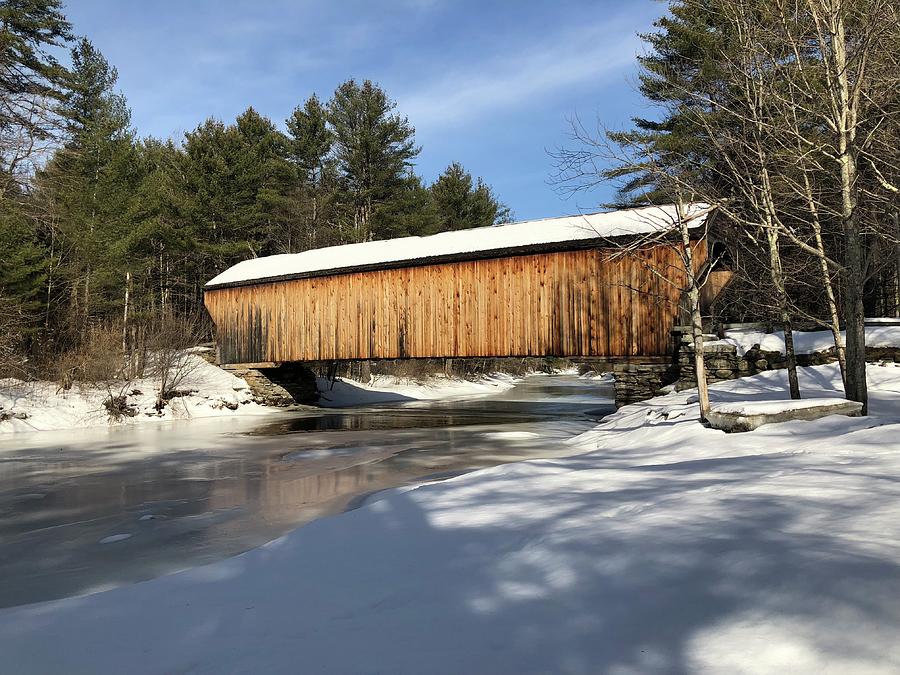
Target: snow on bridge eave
[(546, 234)]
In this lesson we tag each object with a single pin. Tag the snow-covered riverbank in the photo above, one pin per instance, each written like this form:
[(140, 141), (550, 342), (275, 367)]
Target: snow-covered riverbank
[(661, 546), (205, 391)]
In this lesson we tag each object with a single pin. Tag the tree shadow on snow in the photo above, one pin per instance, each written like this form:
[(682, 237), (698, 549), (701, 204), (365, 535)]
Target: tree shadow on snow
[(666, 567)]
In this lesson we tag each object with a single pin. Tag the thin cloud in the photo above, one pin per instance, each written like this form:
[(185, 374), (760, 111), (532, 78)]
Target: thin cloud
[(486, 87)]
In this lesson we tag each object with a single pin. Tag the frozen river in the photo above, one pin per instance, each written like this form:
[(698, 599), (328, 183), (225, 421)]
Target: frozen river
[(82, 511)]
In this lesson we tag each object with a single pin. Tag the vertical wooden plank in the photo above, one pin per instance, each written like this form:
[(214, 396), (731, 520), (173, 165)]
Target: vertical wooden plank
[(580, 304), (569, 303), (613, 325), (593, 300)]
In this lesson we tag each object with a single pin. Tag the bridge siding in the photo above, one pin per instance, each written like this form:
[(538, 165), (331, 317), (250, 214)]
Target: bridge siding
[(572, 303)]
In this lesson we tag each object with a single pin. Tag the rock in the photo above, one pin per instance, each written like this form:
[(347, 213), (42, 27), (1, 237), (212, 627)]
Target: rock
[(749, 416), (719, 349)]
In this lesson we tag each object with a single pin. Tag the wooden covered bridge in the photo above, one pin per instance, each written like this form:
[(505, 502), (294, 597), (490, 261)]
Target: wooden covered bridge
[(554, 287)]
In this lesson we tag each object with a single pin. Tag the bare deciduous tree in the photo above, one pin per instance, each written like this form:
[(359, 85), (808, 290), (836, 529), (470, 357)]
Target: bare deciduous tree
[(683, 227), (169, 359)]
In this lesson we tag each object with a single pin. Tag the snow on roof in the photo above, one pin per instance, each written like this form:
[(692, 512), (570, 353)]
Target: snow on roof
[(476, 241)]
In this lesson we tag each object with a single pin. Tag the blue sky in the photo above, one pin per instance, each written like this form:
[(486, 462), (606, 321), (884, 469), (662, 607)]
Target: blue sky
[(488, 84)]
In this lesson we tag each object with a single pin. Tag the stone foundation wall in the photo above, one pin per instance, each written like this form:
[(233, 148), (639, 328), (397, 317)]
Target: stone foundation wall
[(723, 362), (639, 382), (289, 384)]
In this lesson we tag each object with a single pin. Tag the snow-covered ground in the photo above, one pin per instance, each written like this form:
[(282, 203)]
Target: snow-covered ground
[(345, 392), (880, 333), (45, 407), (213, 392), (659, 546)]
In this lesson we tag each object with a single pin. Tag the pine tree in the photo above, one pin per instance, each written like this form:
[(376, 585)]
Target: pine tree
[(461, 205), (32, 82), (681, 77), (315, 196), (411, 211), (159, 256), (234, 188), (374, 149), (22, 266), (311, 139), (263, 178), (89, 182)]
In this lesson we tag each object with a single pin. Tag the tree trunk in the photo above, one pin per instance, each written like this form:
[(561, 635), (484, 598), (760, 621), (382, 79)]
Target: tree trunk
[(833, 313), (790, 355), (777, 271), (696, 314), (854, 261), (699, 362), (126, 353), (895, 216), (854, 317)]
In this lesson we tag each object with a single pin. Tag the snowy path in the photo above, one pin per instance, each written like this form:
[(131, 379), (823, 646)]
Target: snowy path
[(663, 548)]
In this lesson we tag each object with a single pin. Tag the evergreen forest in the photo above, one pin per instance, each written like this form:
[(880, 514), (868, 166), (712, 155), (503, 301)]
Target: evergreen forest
[(107, 235)]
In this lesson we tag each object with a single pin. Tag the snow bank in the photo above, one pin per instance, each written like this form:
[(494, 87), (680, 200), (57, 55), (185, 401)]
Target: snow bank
[(877, 335), (662, 547), (212, 391), (346, 392), (477, 240), (747, 416), (774, 407)]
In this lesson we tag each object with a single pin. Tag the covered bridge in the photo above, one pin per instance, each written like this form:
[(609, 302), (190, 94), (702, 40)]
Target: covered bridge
[(553, 287)]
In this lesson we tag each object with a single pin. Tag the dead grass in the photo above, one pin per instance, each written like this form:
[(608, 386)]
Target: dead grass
[(99, 359)]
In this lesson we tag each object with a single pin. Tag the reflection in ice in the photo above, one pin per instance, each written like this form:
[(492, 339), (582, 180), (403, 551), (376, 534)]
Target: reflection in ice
[(182, 494)]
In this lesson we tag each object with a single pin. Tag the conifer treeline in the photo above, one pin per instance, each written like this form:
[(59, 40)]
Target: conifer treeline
[(96, 222)]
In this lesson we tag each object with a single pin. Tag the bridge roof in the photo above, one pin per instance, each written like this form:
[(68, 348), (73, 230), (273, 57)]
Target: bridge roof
[(548, 234)]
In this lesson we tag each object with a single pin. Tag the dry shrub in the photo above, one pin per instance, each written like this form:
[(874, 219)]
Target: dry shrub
[(12, 359), (98, 359), (168, 358), (117, 405), (415, 370), (158, 351)]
